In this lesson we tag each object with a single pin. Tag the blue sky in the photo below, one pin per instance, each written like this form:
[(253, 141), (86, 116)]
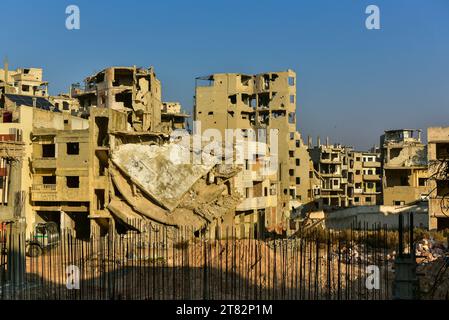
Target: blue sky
[(353, 83)]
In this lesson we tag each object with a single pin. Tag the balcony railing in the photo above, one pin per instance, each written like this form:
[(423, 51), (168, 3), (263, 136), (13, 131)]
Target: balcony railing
[(43, 187)]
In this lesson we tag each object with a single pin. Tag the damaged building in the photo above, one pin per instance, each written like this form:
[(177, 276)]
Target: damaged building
[(404, 165), (71, 159), (348, 177), (438, 157), (262, 101)]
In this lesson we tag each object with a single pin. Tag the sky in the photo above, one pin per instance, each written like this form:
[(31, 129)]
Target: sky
[(352, 83)]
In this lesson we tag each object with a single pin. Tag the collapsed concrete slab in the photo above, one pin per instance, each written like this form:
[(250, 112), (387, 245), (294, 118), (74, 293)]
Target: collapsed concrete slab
[(161, 171), (158, 184)]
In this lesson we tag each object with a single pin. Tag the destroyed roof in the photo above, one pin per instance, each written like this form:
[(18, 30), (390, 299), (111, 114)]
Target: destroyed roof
[(22, 100)]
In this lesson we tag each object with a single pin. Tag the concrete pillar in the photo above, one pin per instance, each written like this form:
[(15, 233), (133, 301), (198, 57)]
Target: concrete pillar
[(433, 223), (67, 222)]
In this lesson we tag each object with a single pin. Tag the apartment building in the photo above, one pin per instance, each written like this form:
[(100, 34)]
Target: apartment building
[(405, 168), (332, 164), (173, 117), (18, 175), (438, 157), (258, 190), (365, 178), (65, 103), (136, 91), (23, 81), (253, 102)]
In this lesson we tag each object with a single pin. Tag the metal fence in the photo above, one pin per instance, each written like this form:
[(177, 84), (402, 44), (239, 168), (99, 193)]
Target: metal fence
[(162, 263)]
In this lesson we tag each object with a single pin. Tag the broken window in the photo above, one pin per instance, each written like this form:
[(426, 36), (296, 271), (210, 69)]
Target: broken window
[(126, 98), (25, 88), (266, 81), (264, 100), (292, 98), (48, 150), (123, 77), (233, 99), (291, 81), (73, 148), (253, 102), (99, 195), (356, 199), (298, 180), (102, 129), (291, 153), (422, 182), (48, 179), (210, 113), (298, 162), (442, 188), (291, 172), (245, 80), (394, 152), (73, 182), (292, 193), (291, 117), (278, 113), (231, 113), (65, 105), (442, 151)]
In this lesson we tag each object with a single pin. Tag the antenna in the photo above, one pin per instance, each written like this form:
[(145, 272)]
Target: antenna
[(6, 63)]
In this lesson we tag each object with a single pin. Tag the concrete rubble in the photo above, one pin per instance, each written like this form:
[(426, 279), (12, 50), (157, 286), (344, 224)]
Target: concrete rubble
[(429, 250), (156, 185)]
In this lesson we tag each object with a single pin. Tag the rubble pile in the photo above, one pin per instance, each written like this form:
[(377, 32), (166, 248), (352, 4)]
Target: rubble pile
[(429, 250), (160, 185)]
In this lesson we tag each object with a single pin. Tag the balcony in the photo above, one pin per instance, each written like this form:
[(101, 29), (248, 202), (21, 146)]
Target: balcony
[(44, 163), (332, 160), (371, 164), (252, 203), (331, 175), (44, 192), (371, 177)]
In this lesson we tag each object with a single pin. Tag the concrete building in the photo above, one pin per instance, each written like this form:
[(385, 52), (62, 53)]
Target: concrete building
[(67, 104), (366, 177), (18, 174), (23, 81), (404, 167), (136, 91), (332, 164), (259, 192), (252, 102), (173, 117), (438, 157)]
